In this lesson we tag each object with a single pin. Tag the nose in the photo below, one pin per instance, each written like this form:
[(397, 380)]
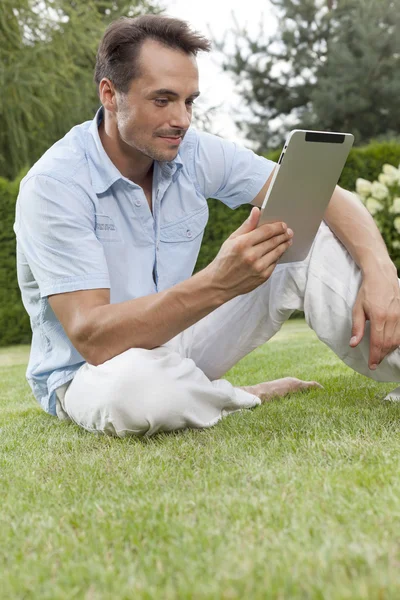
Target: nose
[(180, 116)]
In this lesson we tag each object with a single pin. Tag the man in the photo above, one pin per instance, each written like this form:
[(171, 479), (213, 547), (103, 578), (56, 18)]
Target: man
[(109, 223)]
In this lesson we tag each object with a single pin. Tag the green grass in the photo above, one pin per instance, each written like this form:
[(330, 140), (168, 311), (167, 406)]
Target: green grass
[(299, 498)]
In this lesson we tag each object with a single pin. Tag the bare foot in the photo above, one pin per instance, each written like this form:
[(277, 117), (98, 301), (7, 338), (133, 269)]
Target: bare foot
[(279, 387)]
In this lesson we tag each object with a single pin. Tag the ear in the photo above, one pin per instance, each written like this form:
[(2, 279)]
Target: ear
[(107, 94)]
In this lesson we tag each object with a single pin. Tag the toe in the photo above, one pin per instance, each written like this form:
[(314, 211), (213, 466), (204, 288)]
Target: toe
[(314, 384)]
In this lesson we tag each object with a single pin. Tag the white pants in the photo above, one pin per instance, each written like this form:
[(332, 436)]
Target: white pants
[(179, 384)]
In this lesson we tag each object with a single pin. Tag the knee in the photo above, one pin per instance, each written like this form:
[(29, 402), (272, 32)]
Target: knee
[(139, 396)]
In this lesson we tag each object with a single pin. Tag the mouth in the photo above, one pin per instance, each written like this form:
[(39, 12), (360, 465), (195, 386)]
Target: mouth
[(172, 140)]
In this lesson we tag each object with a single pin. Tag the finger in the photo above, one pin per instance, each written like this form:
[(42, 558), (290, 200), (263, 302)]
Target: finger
[(249, 224), (396, 338), (376, 342), (269, 231), (389, 343), (266, 232), (272, 257), (262, 249), (358, 329), (268, 272)]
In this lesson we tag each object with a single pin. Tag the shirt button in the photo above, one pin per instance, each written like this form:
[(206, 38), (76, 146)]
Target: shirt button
[(189, 233), (138, 203)]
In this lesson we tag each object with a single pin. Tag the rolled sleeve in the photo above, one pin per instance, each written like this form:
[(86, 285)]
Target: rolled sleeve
[(227, 171), (55, 229)]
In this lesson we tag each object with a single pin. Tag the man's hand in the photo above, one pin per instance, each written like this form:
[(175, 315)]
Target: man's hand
[(249, 256), (378, 301)]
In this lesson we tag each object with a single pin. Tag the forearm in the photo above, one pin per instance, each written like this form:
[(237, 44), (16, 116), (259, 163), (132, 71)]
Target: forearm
[(149, 321), (354, 226)]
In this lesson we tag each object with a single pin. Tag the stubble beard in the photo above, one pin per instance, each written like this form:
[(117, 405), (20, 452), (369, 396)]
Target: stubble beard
[(149, 149), (123, 124)]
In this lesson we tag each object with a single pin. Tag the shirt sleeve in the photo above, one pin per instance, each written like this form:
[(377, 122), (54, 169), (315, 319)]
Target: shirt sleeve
[(55, 229), (227, 171)]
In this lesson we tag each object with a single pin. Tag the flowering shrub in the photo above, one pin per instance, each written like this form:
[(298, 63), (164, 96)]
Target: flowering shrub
[(382, 200)]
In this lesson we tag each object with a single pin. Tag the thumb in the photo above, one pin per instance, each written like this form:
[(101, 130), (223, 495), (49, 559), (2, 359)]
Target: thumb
[(358, 328), (249, 224)]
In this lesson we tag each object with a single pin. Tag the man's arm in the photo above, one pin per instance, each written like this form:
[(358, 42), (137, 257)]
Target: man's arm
[(378, 299), (356, 229), (100, 330), (259, 199)]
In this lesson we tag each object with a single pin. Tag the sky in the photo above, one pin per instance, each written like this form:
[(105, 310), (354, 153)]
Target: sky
[(213, 18)]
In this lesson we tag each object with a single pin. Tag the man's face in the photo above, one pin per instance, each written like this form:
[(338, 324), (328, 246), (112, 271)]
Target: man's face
[(154, 115)]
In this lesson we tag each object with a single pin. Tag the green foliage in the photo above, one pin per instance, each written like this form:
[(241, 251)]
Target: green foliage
[(331, 66), (47, 57), (382, 200), (367, 162), (14, 320)]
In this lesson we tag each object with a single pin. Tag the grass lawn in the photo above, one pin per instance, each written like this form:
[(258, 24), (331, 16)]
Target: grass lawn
[(298, 498)]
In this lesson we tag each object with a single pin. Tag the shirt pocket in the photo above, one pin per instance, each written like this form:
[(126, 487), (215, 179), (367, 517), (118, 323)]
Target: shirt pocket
[(106, 230), (187, 229)]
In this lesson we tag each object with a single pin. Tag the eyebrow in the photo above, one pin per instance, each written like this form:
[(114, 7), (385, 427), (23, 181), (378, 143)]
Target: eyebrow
[(172, 93)]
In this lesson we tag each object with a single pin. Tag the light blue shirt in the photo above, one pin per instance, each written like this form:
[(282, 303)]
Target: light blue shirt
[(80, 224)]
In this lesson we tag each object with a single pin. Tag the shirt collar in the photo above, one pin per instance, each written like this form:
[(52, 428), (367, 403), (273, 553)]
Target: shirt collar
[(103, 172)]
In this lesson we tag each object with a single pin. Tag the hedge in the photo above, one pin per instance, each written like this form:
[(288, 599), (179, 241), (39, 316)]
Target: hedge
[(15, 328), (14, 320)]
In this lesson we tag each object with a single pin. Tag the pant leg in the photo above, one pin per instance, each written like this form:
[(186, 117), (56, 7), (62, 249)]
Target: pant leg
[(177, 385), (325, 286), (141, 392)]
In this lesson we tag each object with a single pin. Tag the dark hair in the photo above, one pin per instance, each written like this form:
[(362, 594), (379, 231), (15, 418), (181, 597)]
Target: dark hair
[(117, 56)]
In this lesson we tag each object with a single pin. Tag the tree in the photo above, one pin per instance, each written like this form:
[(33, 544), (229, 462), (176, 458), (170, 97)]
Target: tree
[(47, 57), (333, 65)]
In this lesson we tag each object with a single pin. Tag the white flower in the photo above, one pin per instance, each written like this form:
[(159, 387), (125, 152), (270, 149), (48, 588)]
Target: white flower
[(363, 187), (397, 224), (395, 208), (378, 190), (374, 205), (390, 170), (390, 175), (396, 244), (386, 179)]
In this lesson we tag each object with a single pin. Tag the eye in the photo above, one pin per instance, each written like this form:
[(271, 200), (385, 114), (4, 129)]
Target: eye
[(190, 102), (161, 101)]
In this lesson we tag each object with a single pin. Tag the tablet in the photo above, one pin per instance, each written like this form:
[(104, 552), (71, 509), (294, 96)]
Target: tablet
[(304, 180)]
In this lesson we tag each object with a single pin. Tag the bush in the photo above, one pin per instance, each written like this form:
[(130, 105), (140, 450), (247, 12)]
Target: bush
[(14, 320), (382, 200)]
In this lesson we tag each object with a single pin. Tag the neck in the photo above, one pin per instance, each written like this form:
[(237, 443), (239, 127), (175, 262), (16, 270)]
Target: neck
[(130, 162)]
